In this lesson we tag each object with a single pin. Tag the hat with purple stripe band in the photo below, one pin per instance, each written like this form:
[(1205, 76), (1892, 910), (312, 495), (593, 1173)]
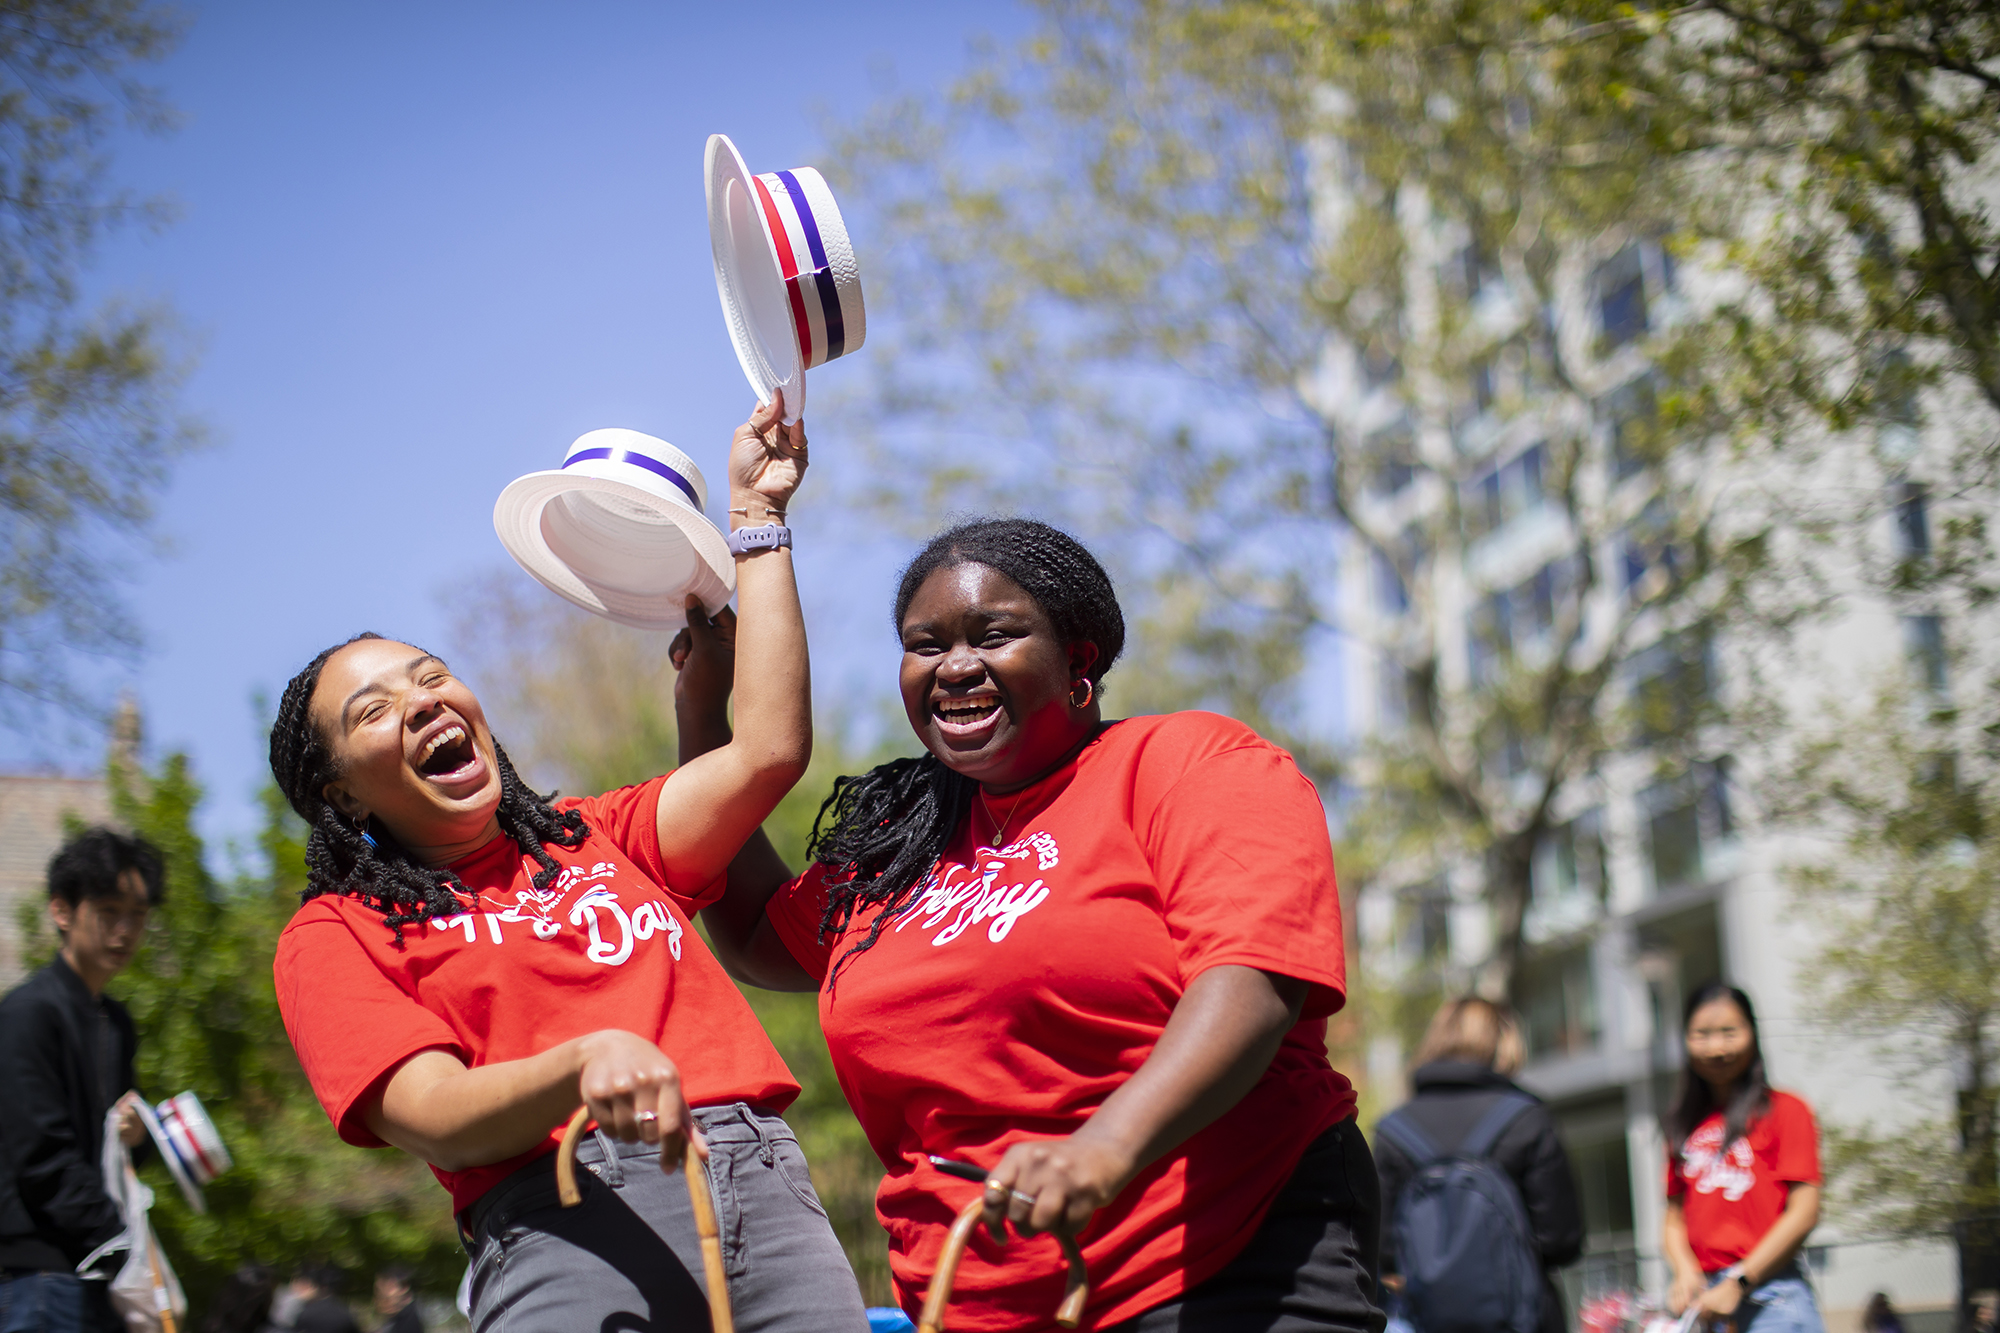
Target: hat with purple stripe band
[(785, 271), (619, 530)]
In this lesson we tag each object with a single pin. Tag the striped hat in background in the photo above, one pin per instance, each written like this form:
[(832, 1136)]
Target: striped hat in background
[(188, 1143)]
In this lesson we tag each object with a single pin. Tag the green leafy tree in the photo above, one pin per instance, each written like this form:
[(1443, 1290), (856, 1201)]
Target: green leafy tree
[(87, 426), (1281, 301), (201, 993)]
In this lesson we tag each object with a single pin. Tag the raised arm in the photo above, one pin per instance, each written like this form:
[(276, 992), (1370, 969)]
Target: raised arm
[(716, 801), (739, 932)]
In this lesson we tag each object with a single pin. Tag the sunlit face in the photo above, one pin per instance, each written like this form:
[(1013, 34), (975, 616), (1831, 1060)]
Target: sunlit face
[(100, 934), (410, 743), (1720, 1042), (986, 680)]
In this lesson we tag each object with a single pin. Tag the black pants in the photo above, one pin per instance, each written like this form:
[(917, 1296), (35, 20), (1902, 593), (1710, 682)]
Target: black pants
[(1313, 1264)]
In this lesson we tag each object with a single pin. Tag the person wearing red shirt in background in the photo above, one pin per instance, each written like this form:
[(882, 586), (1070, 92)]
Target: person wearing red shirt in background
[(472, 963), (1093, 959), (1742, 1178)]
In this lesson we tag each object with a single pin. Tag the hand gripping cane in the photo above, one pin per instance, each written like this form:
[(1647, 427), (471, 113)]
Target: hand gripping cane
[(1068, 1314), (704, 1214)]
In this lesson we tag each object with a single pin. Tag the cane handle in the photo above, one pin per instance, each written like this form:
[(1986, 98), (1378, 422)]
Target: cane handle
[(566, 1189), (1069, 1314), (719, 1316)]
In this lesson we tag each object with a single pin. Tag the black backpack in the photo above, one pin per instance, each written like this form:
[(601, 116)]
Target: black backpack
[(1460, 1232)]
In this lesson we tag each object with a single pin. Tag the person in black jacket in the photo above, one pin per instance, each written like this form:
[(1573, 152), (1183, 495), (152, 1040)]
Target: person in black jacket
[(1462, 1069), (66, 1051)]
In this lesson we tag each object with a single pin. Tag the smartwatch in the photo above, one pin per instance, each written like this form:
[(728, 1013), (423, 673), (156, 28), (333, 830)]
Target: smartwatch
[(749, 541)]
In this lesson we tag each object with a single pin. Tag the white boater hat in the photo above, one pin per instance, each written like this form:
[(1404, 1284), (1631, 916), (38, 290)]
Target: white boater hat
[(784, 268), (188, 1143), (619, 530)]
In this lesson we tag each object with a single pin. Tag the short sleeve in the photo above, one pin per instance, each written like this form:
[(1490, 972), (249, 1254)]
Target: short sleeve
[(795, 912), (1240, 849), (629, 818), (349, 1023), (1675, 1185), (1796, 1161)]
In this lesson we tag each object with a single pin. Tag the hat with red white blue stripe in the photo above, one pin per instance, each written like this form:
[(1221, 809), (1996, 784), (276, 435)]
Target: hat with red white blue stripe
[(785, 270), (188, 1143)]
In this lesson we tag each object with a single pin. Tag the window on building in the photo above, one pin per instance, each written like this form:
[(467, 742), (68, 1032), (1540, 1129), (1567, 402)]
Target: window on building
[(1569, 883), (1389, 461), (1503, 493), (1678, 953), (1517, 619), (1923, 645), (1603, 1168), (1913, 520), (1685, 818), (1672, 680), (1632, 412), (1647, 545), (1423, 923), (1559, 1003), (1380, 367), (1391, 596), (1621, 297)]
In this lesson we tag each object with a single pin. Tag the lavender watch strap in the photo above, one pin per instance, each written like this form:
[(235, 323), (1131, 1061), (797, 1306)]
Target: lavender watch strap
[(748, 541)]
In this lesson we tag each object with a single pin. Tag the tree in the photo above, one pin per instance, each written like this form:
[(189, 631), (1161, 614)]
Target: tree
[(1849, 157), (1278, 300), (544, 666), (1909, 904), (201, 993), (87, 426)]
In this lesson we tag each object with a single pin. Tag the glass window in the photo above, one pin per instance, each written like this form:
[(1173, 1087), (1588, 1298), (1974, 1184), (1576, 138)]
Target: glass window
[(1913, 522), (1682, 817), (1632, 412), (1559, 1003), (1923, 644), (1671, 684), (1495, 498), (1621, 297)]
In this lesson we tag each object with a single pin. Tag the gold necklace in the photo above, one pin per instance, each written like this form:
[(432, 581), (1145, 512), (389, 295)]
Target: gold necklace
[(1000, 837)]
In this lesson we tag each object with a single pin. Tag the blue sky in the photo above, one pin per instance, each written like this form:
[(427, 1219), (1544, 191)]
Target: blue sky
[(420, 248)]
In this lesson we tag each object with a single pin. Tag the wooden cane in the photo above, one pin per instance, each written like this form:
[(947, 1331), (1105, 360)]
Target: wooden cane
[(705, 1226), (161, 1296), (1069, 1314)]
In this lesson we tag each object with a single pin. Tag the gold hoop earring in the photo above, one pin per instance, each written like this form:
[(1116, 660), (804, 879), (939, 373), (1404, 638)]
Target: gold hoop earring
[(1089, 693)]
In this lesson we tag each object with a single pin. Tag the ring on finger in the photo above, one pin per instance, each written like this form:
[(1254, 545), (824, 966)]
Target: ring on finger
[(646, 1117), (995, 1187)]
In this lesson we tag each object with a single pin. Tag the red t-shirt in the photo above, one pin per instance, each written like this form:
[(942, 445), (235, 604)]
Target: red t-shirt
[(1731, 1199), (521, 971), (1023, 986)]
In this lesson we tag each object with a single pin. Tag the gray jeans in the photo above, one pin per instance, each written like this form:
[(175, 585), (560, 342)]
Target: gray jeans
[(628, 1259)]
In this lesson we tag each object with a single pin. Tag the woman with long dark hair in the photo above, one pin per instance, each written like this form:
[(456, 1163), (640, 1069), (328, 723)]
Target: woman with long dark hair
[(1092, 960), (473, 962), (1743, 1179)]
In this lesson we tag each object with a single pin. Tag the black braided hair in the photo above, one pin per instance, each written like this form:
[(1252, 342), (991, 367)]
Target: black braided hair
[(340, 859), (879, 834)]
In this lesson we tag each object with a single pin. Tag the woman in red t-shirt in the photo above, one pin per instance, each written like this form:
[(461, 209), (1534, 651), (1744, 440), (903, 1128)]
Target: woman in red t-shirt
[(471, 963), (1742, 1177), (1092, 959)]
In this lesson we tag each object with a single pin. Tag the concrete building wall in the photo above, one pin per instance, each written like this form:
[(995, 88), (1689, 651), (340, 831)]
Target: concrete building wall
[(33, 811)]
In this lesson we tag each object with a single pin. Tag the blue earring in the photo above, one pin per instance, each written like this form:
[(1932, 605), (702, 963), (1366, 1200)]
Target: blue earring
[(361, 827)]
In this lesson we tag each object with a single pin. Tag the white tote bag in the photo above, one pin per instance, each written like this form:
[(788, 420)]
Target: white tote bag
[(144, 1290)]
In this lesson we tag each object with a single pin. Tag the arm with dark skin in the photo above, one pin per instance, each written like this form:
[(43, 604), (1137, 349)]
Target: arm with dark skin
[(739, 932)]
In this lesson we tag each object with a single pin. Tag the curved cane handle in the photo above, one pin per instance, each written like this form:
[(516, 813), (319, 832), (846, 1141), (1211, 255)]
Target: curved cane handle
[(566, 1189), (720, 1319), (932, 1319), (1069, 1314)]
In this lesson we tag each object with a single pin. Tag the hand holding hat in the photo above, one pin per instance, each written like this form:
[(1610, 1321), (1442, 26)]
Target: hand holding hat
[(767, 460)]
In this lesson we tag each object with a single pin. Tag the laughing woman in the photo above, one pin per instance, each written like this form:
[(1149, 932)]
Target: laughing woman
[(1093, 959), (472, 963)]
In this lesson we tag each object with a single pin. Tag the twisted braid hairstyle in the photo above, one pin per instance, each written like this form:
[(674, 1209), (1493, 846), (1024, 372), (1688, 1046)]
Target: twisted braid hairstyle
[(879, 834), (345, 858)]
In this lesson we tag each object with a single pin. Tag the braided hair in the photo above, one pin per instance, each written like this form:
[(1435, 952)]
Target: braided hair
[(879, 834), (366, 863)]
